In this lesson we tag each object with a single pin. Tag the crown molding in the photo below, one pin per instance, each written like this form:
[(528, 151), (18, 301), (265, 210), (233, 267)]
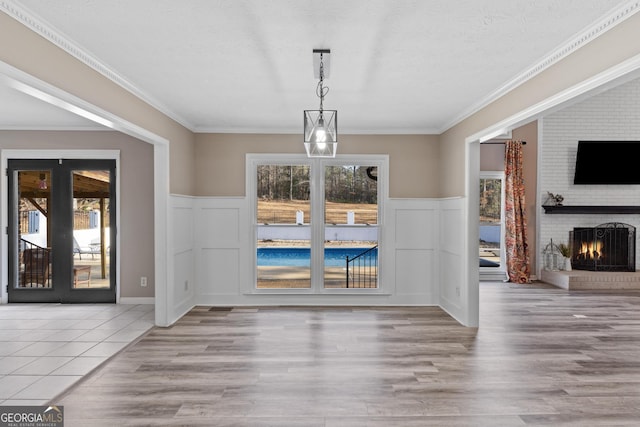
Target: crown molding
[(47, 31), (290, 131), (619, 74), (609, 21), (55, 128)]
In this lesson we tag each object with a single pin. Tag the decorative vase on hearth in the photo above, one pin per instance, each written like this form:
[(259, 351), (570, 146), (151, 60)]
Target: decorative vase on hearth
[(567, 264)]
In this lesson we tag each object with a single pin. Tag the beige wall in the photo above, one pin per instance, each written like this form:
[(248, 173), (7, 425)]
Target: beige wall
[(608, 50), (492, 159), (413, 160), (34, 55), (136, 194)]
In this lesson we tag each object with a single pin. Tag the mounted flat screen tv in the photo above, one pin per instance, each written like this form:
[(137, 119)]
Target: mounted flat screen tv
[(608, 163)]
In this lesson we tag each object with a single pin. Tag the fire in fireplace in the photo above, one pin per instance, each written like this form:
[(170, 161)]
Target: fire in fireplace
[(607, 247)]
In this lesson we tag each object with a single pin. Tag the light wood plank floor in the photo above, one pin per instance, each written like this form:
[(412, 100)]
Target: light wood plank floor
[(542, 356)]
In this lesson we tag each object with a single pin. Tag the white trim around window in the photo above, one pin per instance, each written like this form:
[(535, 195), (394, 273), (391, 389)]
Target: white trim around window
[(317, 212)]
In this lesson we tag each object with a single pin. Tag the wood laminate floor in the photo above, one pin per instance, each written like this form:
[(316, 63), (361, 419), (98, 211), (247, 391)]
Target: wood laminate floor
[(542, 356)]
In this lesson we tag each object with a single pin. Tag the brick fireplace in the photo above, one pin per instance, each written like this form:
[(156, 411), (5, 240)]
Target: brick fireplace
[(609, 115), (603, 257)]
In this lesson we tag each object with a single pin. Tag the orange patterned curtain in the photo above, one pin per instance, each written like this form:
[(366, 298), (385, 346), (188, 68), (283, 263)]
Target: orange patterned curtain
[(517, 248)]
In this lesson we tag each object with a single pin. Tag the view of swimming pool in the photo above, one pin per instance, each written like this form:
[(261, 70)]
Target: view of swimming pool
[(299, 257)]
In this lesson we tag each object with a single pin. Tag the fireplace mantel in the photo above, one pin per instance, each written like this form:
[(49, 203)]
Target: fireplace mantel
[(576, 210)]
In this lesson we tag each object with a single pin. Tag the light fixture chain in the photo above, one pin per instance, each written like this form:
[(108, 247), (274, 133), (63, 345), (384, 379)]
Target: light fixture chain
[(321, 91), (320, 132)]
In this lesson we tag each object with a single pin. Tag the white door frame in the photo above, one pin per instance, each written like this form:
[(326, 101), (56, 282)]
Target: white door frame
[(46, 92), (492, 271), (6, 155)]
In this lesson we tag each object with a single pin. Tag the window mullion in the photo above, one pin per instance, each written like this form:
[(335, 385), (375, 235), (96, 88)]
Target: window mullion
[(317, 225)]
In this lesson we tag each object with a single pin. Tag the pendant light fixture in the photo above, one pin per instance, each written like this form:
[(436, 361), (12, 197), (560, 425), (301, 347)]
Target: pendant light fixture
[(321, 126)]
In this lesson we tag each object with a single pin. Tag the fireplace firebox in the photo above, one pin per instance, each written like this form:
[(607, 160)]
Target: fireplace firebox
[(607, 247)]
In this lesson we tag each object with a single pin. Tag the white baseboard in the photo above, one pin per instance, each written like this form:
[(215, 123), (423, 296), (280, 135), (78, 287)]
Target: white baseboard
[(137, 300), (496, 276)]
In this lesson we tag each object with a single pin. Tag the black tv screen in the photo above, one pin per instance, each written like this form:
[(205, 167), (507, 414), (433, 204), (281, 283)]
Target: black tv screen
[(608, 162)]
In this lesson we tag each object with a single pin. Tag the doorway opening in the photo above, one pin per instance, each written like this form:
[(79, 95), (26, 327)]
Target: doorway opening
[(491, 226)]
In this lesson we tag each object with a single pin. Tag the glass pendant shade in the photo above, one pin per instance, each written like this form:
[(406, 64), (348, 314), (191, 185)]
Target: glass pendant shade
[(321, 133)]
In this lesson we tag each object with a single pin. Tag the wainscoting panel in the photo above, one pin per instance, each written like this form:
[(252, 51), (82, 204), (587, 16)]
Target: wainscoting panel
[(411, 249), (222, 246), (220, 272), (415, 270), (416, 228), (219, 226), (182, 232), (451, 227), (181, 290), (453, 286), (184, 286)]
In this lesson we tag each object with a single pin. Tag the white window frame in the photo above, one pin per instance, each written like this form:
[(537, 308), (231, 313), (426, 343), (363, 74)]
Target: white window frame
[(485, 271), (317, 168)]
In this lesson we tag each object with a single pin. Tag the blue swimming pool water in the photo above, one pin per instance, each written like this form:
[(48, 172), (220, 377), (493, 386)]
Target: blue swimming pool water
[(299, 257)]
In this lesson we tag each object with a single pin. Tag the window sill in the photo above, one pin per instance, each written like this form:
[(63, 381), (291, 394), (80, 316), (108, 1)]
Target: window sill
[(359, 292)]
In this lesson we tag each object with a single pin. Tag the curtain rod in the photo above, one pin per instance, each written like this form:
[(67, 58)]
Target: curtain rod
[(500, 142)]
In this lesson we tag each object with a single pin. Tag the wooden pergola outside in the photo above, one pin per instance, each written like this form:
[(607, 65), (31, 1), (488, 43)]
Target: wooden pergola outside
[(87, 184)]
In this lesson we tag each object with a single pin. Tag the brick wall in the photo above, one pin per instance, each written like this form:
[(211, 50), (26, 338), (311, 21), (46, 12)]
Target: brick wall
[(611, 115)]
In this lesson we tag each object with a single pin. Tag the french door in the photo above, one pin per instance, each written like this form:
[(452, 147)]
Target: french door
[(61, 225)]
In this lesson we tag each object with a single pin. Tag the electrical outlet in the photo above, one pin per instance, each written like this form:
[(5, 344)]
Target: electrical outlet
[(457, 290), (186, 285), (143, 281)]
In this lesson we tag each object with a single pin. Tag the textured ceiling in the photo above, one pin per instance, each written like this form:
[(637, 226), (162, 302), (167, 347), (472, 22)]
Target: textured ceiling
[(246, 66)]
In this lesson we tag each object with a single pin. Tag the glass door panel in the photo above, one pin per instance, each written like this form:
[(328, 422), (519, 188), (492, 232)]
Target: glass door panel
[(491, 233), (351, 226), (283, 227), (91, 229), (33, 263)]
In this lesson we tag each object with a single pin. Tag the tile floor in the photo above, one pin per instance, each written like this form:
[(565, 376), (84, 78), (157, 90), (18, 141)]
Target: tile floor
[(46, 348)]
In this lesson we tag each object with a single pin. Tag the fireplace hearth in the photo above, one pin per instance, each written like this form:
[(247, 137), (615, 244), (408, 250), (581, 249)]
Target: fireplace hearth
[(607, 247)]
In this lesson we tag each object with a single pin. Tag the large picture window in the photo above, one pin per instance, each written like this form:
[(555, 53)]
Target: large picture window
[(316, 223)]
